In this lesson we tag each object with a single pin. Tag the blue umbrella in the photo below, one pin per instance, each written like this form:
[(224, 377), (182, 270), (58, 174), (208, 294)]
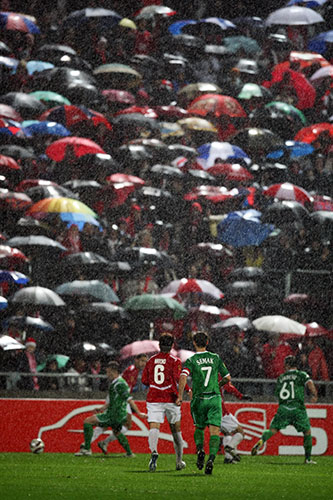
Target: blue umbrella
[(312, 4), (36, 66), (3, 303), (79, 219), (220, 151), (13, 277), (176, 28), (295, 149), (320, 42), (45, 128), (243, 228)]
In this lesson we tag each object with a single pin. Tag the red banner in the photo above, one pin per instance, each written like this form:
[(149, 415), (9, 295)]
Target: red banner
[(59, 422)]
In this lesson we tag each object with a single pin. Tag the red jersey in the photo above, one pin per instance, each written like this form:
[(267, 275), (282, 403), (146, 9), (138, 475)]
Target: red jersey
[(161, 374)]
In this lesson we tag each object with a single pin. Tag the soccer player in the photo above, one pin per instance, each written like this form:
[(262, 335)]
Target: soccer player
[(161, 374), (115, 414), (204, 367), (290, 391)]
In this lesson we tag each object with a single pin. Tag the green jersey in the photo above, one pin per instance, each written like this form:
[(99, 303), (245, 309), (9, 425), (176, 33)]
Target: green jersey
[(290, 388), (204, 368), (119, 393)]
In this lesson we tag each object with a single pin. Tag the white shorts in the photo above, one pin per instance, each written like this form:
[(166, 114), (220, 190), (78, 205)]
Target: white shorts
[(229, 424), (158, 411)]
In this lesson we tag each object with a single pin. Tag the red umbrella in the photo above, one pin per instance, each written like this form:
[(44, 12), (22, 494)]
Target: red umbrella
[(297, 83), (70, 115), (116, 178), (10, 257), (169, 113), (10, 113), (230, 171), (8, 163), (190, 285), (302, 60), (315, 330), (16, 201), (216, 104), (80, 145), (288, 191), (312, 133), (121, 96), (142, 110)]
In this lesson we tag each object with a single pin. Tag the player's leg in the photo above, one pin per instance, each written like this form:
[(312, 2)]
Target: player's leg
[(88, 431), (232, 436), (173, 414), (280, 420), (301, 423), (122, 439), (156, 414), (198, 412), (214, 416), (307, 443), (103, 445), (236, 437)]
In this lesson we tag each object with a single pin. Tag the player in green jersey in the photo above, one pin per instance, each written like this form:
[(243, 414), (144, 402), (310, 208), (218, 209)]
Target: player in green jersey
[(290, 392), (115, 415), (204, 367)]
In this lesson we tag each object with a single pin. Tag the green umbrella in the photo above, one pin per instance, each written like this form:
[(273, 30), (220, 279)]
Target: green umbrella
[(250, 90), (287, 109), (155, 306), (50, 98), (61, 359), (244, 43)]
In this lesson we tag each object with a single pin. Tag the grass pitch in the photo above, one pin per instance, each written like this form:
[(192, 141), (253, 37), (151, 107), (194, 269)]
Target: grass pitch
[(63, 476)]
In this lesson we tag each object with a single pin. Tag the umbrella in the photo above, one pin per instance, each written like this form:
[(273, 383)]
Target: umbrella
[(313, 132), (29, 322), (217, 152), (118, 76), (251, 291), (246, 273), (9, 62), (14, 201), (197, 124), (285, 212), (13, 277), (251, 90), (86, 262), (103, 19), (41, 192), (114, 178), (243, 228), (70, 115), (291, 149), (8, 343), (36, 244), (190, 285), (3, 303), (37, 295), (94, 288), (17, 22), (242, 44), (294, 16), (325, 73), (46, 128), (192, 90), (282, 109), (79, 145), (321, 43), (315, 330), (16, 152), (238, 322), (11, 257), (10, 113), (217, 105), (279, 324), (149, 305), (50, 98), (287, 191), (120, 96), (59, 205), (106, 309), (36, 66), (61, 360), (139, 347), (25, 104), (230, 171), (151, 11), (139, 257), (256, 140), (166, 172)]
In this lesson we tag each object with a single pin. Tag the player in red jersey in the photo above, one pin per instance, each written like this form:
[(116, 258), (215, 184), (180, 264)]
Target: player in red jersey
[(161, 374)]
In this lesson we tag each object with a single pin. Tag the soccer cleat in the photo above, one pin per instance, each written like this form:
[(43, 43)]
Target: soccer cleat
[(308, 461), (209, 465), (229, 461), (200, 459), (180, 465), (232, 452), (256, 447), (103, 447), (152, 462), (129, 455), (83, 453)]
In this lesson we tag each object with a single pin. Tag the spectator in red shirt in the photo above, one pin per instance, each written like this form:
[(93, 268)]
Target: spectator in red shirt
[(133, 373), (273, 354), (316, 360), (143, 39), (161, 374)]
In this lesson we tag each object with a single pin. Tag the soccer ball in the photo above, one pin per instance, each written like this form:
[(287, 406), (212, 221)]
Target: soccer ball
[(37, 446)]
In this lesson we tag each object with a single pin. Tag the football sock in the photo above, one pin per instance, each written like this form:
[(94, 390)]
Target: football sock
[(111, 437), (236, 439), (178, 444), (214, 443), (199, 436), (97, 432), (226, 442), (124, 443), (266, 435), (307, 443), (153, 439), (88, 433)]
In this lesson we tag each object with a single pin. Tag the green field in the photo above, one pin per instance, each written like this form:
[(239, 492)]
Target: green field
[(63, 476)]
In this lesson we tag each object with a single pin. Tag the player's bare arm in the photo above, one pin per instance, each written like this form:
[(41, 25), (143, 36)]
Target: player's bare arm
[(224, 380), (135, 408), (313, 391), (181, 387)]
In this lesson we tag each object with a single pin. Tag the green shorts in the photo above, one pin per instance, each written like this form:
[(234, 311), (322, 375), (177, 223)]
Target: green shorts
[(206, 411), (105, 420), (296, 417)]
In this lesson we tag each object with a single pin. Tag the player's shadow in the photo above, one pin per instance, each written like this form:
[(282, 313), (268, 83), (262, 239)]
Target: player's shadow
[(285, 463)]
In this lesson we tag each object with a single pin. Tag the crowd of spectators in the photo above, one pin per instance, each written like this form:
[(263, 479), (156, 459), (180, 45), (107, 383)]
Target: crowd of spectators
[(158, 220)]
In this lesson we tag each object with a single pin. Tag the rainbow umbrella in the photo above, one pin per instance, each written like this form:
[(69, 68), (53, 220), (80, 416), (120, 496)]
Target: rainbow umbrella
[(60, 206)]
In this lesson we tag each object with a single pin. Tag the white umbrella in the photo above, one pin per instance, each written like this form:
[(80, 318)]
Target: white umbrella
[(294, 16), (8, 343), (279, 324), (320, 74)]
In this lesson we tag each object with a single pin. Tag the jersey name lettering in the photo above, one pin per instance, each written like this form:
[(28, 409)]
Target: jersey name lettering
[(160, 361), (202, 361)]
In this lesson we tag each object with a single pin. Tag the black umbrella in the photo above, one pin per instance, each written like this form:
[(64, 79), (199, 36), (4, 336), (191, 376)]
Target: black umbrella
[(92, 166), (38, 193), (165, 172), (282, 213), (45, 52), (322, 221), (254, 140), (246, 273), (176, 150), (35, 245), (28, 322), (86, 190), (37, 296), (90, 350), (134, 120), (105, 309), (251, 290), (17, 152), (90, 264), (199, 177), (141, 257), (270, 173), (27, 105), (61, 57)]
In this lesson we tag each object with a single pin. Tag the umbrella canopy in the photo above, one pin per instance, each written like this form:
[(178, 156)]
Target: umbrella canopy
[(237, 322), (246, 273), (59, 205), (291, 149), (138, 347), (45, 128), (36, 244), (94, 288), (37, 295), (151, 11), (11, 257), (25, 104), (103, 19), (29, 322), (197, 124), (321, 42), (322, 74), (250, 290), (70, 115), (253, 90), (13, 21), (230, 172), (79, 145), (292, 84), (118, 76), (149, 305), (216, 104), (120, 96), (13, 277), (193, 90), (243, 44), (288, 191), (257, 140), (7, 343), (312, 132), (211, 152), (315, 330), (189, 285), (3, 303), (283, 109), (61, 360), (279, 324), (243, 228), (285, 212), (10, 113), (294, 16), (49, 98)]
